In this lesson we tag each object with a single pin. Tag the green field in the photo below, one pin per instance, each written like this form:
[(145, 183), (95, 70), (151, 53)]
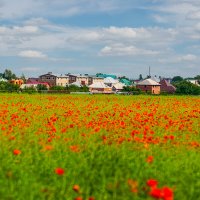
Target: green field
[(100, 147)]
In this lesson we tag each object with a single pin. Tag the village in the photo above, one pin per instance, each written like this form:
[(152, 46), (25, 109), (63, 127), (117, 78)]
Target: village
[(99, 83)]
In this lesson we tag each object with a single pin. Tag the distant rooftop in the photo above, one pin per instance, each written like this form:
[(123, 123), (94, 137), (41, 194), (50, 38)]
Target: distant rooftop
[(148, 82), (106, 76)]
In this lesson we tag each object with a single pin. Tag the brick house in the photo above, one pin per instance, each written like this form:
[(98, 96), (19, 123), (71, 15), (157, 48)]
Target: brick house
[(149, 85), (48, 78), (167, 87)]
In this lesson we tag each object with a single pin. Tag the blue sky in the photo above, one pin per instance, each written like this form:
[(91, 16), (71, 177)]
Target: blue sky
[(123, 37)]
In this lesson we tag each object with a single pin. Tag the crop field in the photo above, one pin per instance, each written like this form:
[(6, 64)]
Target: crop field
[(99, 147)]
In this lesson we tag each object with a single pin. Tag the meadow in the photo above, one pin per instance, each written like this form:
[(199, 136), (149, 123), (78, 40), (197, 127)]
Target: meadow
[(99, 147)]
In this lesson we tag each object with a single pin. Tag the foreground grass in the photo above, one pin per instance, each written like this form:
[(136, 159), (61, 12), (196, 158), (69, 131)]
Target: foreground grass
[(102, 143)]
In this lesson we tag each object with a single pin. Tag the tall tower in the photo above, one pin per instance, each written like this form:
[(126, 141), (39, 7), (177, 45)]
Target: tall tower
[(149, 72)]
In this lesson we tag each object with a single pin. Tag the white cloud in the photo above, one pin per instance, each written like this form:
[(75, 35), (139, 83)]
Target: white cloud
[(121, 50), (12, 9), (29, 69), (189, 57), (32, 54)]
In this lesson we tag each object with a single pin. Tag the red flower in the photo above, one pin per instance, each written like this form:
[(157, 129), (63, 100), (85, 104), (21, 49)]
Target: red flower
[(152, 183), (149, 159), (78, 198), (59, 171), (76, 188), (167, 193), (16, 152), (91, 198), (156, 193)]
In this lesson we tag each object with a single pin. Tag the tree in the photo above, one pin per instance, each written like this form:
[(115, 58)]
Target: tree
[(186, 87), (23, 78), (57, 88), (177, 79), (9, 75), (140, 77), (132, 90), (9, 87), (41, 87)]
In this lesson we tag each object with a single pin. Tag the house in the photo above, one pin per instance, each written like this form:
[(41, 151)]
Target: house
[(96, 79), (35, 81), (167, 87), (109, 81), (48, 78), (29, 85), (84, 79), (118, 87), (17, 82), (77, 83), (100, 87), (32, 80), (149, 85), (33, 85), (62, 80), (193, 81)]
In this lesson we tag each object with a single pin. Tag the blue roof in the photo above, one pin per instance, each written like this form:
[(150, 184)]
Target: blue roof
[(107, 75), (125, 81)]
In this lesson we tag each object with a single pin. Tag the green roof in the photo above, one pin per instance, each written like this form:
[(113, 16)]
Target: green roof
[(125, 81), (107, 75)]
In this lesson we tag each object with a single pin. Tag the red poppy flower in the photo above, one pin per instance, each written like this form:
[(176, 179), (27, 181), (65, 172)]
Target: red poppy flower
[(16, 152), (156, 193), (78, 198), (152, 183), (167, 193), (59, 171), (149, 159), (91, 198), (76, 188)]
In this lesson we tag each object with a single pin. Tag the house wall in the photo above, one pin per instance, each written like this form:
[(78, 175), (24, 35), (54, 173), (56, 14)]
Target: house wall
[(17, 82), (83, 80), (48, 78), (72, 79), (149, 88), (62, 81), (168, 89), (95, 80)]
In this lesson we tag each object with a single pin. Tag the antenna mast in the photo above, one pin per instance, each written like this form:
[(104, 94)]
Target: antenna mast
[(149, 72)]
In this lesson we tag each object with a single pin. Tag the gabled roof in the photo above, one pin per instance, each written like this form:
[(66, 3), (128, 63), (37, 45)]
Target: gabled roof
[(155, 78), (48, 74), (98, 85), (119, 86), (166, 83), (77, 83), (148, 82), (110, 80)]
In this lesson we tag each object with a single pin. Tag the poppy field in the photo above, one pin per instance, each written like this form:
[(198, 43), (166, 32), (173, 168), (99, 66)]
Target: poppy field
[(99, 147)]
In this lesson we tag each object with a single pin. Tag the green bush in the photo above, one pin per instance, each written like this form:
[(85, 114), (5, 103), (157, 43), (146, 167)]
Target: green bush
[(185, 87)]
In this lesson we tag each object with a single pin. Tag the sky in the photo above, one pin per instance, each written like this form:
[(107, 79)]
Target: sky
[(121, 37)]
